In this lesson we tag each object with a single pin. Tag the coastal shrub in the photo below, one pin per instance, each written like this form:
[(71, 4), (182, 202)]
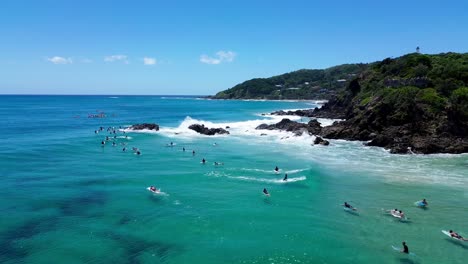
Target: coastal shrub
[(401, 104), (459, 103), (434, 102)]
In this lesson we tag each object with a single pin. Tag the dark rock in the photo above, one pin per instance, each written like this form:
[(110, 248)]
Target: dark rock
[(321, 141), (262, 126), (286, 125), (207, 131), (314, 127), (303, 112), (147, 126)]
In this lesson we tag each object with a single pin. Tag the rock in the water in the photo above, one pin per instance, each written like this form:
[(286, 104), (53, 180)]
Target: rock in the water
[(145, 126), (321, 141), (207, 131), (314, 127)]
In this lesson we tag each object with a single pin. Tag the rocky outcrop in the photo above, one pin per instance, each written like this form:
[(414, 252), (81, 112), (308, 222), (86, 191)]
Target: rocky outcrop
[(401, 132), (312, 128), (207, 131), (321, 141), (145, 126), (303, 112)]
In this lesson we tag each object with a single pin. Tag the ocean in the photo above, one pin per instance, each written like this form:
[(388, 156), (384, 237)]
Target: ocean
[(65, 198)]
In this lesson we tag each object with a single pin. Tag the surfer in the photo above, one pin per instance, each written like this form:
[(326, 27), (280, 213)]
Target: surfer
[(103, 143), (405, 248), (183, 149), (424, 202), (203, 161), (347, 205), (402, 215), (138, 152), (124, 149), (285, 177), (276, 169), (266, 192), (456, 235), (152, 188), (193, 152)]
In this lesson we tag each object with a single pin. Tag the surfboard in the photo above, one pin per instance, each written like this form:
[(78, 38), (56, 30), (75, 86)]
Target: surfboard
[(448, 234)]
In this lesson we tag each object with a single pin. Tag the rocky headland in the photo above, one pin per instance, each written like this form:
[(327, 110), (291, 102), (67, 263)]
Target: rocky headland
[(413, 104)]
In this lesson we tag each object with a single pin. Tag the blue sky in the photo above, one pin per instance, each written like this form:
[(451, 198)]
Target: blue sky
[(202, 47)]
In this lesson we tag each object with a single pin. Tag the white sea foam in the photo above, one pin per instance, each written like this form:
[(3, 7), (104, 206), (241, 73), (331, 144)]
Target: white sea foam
[(349, 156), (278, 181), (255, 179)]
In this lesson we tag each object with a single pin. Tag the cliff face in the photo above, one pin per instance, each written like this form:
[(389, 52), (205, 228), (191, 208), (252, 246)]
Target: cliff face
[(429, 116), (415, 103)]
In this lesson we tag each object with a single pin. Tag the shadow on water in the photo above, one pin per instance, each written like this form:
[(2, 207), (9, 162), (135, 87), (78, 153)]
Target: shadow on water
[(79, 205), (352, 212), (458, 243), (134, 247), (10, 250), (267, 200), (407, 261)]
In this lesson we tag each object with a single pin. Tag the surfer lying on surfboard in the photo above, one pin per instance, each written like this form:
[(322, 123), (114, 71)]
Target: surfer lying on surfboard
[(347, 205), (266, 192), (457, 236)]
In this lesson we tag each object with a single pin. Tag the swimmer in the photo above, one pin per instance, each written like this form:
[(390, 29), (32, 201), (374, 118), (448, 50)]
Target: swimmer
[(405, 248)]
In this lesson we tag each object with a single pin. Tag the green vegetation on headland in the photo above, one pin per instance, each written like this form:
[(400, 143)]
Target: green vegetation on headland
[(414, 103), (301, 84)]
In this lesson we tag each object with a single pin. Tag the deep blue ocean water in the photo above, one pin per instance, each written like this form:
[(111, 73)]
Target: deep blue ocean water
[(67, 199)]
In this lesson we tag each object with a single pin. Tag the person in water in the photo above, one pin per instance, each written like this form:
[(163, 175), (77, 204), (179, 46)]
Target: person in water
[(402, 215), (456, 235), (193, 152), (405, 248), (124, 149), (183, 149), (266, 192), (424, 202), (276, 169), (138, 153), (347, 205), (203, 161), (285, 177), (152, 188)]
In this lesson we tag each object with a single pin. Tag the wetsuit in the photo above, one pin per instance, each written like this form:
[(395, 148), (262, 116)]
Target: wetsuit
[(405, 249)]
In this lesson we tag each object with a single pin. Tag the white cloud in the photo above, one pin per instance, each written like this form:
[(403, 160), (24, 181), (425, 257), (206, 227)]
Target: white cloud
[(226, 55), (86, 60), (221, 56), (149, 61), (113, 58), (60, 60)]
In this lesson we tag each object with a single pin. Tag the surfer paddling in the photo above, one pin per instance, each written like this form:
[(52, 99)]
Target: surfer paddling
[(266, 192)]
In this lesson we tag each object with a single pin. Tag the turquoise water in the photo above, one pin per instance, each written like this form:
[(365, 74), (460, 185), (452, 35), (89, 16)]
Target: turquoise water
[(66, 199)]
